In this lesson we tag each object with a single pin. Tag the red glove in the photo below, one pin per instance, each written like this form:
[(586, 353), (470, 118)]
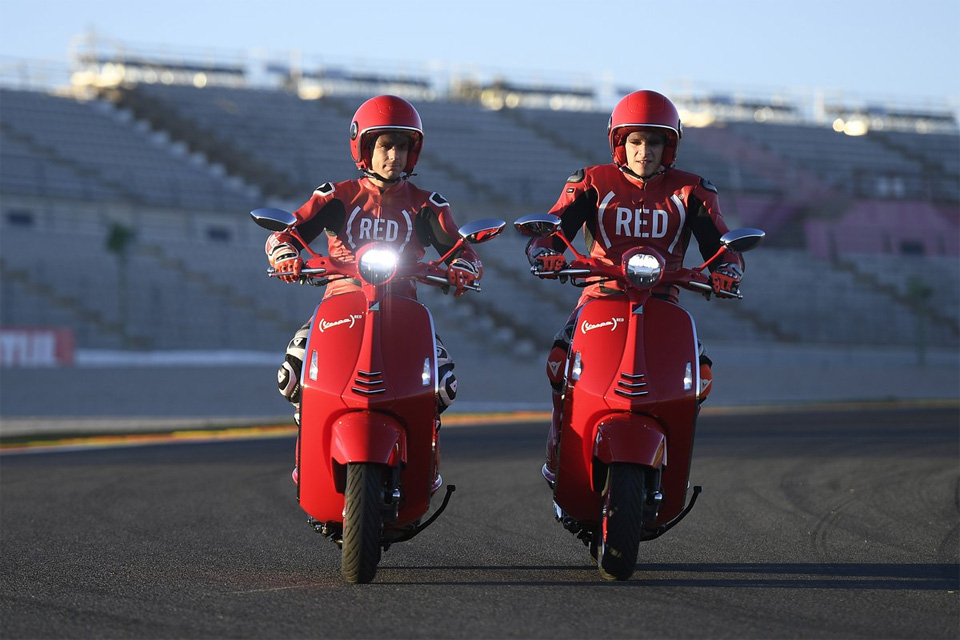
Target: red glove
[(462, 273), (549, 260), (284, 257), (289, 265), (726, 279)]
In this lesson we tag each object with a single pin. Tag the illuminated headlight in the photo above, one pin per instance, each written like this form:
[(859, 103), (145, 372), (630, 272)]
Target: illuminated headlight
[(643, 269), (377, 265)]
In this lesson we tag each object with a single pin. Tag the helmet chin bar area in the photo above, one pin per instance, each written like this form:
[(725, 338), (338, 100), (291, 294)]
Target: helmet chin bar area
[(636, 175), (376, 176)]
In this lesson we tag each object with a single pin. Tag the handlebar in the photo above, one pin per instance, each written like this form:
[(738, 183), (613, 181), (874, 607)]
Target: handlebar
[(426, 272), (690, 279), (377, 271)]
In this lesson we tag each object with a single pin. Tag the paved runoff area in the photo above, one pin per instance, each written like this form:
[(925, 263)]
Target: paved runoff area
[(128, 393)]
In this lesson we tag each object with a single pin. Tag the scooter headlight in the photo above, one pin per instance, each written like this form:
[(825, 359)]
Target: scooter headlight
[(377, 265), (643, 268)]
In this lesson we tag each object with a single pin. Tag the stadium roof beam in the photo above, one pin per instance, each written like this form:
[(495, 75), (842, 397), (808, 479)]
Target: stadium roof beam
[(500, 94), (111, 71)]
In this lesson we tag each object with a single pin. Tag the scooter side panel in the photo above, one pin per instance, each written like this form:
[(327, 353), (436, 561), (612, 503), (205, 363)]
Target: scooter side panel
[(330, 360), (409, 349), (677, 410), (601, 337)]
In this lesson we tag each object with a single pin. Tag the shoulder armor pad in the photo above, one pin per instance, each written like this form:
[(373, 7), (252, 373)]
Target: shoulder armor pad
[(577, 176), (438, 200), (325, 189), (706, 184)]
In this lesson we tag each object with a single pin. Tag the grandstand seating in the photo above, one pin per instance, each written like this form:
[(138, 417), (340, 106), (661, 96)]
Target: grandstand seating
[(306, 141), (62, 143), (937, 153), (189, 289), (886, 226), (858, 165)]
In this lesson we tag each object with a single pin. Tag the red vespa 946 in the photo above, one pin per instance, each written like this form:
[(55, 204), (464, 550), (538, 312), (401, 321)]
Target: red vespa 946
[(368, 447), (631, 401)]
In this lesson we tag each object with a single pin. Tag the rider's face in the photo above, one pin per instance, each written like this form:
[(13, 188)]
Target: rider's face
[(644, 150), (389, 155)]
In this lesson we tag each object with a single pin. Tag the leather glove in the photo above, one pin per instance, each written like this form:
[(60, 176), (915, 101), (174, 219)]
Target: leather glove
[(462, 273), (549, 260), (726, 279), (284, 257), (290, 264)]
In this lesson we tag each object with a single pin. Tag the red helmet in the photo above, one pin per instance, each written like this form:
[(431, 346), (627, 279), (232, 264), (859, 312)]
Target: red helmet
[(641, 110), (379, 115)]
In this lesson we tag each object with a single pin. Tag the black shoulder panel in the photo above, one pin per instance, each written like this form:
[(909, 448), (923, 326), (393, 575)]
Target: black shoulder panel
[(438, 200), (325, 189), (577, 176), (706, 184)]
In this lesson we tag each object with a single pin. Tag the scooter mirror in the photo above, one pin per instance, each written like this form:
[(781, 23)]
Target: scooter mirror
[(479, 231), (273, 219), (538, 225), (740, 240)]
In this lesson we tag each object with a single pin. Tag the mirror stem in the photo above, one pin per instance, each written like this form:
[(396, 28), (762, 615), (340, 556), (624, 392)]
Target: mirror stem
[(453, 250), (570, 246), (719, 253)]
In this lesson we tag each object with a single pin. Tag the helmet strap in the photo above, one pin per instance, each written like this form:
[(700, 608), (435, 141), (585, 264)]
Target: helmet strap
[(376, 176), (631, 172)]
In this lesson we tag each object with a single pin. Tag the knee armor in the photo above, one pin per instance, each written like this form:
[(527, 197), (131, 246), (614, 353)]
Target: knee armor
[(447, 379), (288, 376)]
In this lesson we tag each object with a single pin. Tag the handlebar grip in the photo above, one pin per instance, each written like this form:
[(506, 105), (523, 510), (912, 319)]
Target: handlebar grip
[(441, 281), (273, 273), (569, 272), (707, 289)]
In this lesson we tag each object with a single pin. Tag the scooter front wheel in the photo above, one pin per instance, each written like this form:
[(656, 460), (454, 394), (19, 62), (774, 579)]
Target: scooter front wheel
[(622, 521), (362, 522)]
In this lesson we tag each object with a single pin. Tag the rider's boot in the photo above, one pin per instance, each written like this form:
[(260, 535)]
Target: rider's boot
[(296, 469), (549, 469), (706, 380), (437, 478), (706, 373)]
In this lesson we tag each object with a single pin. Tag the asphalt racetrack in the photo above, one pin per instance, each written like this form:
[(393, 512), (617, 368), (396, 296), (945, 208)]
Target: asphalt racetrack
[(832, 523)]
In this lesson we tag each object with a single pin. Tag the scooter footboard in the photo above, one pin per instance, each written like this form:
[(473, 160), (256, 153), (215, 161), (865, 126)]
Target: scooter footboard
[(633, 438)]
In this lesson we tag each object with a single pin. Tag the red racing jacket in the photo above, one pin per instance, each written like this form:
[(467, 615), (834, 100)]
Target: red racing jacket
[(354, 213), (619, 212)]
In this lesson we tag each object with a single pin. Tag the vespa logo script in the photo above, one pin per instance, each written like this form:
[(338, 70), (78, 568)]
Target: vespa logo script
[(349, 321), (613, 323)]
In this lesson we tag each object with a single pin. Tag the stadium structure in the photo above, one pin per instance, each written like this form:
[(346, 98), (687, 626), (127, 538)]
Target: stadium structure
[(125, 192)]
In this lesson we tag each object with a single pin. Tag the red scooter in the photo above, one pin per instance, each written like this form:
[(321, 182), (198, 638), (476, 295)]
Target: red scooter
[(630, 401), (368, 450)]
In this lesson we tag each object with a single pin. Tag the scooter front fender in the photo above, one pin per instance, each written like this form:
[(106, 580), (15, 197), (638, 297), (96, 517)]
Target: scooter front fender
[(368, 436), (633, 438)]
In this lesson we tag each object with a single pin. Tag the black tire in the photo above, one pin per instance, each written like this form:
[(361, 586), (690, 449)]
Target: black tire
[(362, 522), (619, 531)]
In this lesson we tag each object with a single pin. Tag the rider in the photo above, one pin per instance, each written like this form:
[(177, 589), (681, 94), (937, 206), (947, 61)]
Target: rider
[(638, 198), (386, 137)]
